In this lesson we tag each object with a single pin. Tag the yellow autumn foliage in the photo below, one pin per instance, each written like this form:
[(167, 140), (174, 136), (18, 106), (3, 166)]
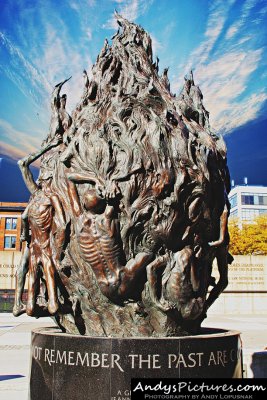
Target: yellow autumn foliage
[(251, 239)]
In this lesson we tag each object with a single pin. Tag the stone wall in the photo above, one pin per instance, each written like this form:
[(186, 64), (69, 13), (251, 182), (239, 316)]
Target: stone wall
[(247, 289), (9, 260)]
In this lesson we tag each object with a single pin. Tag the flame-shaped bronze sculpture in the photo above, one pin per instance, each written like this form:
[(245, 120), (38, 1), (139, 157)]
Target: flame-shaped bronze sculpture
[(130, 208)]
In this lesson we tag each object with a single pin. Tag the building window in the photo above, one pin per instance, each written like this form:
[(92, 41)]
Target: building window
[(233, 200), (247, 199), (10, 242), (249, 214), (234, 214), (11, 223), (263, 212), (262, 200)]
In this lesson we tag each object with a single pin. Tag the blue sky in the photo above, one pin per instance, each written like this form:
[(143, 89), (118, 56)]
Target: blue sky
[(42, 42)]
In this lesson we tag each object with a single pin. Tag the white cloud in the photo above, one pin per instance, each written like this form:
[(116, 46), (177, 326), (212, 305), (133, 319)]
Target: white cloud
[(21, 71), (16, 139), (74, 6), (244, 39), (61, 58), (241, 112), (263, 11), (88, 32), (217, 16), (223, 81), (235, 28), (156, 45), (11, 151), (231, 32), (129, 9), (224, 71)]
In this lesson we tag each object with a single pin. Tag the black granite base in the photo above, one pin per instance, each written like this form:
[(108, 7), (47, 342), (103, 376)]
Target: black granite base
[(259, 364), (84, 368)]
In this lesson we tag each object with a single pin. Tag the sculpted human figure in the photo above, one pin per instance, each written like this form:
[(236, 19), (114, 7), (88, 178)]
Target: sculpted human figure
[(98, 239), (180, 281), (220, 180), (223, 258), (165, 79), (190, 102), (23, 268), (60, 120), (42, 213), (64, 117), (43, 206)]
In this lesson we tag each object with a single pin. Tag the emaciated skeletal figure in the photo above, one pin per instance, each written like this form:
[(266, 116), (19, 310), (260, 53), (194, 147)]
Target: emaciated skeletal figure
[(179, 283), (39, 216), (98, 236)]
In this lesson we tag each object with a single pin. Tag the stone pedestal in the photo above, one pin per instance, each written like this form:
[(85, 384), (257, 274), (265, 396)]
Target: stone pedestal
[(259, 364), (83, 368)]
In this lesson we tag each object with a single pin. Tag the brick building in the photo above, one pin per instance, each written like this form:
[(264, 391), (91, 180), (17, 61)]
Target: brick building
[(10, 225), (10, 251)]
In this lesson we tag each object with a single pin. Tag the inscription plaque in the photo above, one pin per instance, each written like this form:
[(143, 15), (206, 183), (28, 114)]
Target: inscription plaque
[(71, 366)]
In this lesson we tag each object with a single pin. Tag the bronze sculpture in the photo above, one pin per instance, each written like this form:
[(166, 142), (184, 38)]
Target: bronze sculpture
[(131, 207)]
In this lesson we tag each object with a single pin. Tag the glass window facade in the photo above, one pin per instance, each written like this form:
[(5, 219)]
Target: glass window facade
[(10, 242), (248, 204), (233, 200), (8, 223), (11, 223), (253, 199), (234, 214), (247, 199), (250, 214)]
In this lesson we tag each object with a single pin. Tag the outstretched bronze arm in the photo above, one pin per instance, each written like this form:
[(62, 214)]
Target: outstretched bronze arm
[(25, 162), (88, 177), (223, 229)]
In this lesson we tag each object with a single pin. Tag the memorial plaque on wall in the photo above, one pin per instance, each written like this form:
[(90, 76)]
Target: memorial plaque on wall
[(8, 266), (247, 273)]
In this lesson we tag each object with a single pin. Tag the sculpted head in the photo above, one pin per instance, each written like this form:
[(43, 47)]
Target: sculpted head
[(63, 100), (93, 202)]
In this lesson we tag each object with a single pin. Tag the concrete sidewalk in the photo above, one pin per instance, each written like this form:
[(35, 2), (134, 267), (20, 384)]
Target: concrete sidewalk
[(15, 338)]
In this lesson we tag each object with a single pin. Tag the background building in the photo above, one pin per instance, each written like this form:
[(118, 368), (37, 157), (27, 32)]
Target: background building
[(248, 202), (10, 250), (10, 225)]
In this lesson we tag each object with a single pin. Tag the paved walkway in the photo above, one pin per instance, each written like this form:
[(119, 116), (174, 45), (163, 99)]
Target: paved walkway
[(15, 337)]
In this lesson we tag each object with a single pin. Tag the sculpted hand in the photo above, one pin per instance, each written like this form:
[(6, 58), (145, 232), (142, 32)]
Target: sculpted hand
[(112, 190), (56, 140), (165, 305)]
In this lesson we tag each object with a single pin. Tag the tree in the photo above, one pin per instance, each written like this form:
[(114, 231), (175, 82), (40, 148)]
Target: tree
[(251, 238)]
